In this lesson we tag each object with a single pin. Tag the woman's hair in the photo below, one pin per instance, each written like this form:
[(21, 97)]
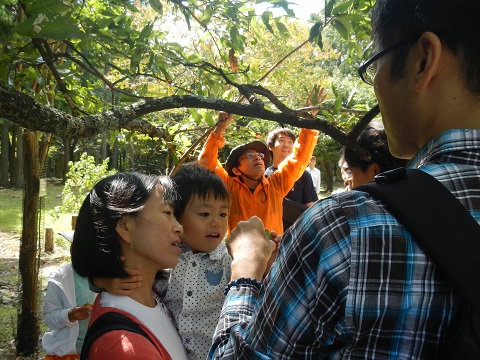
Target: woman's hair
[(96, 247), (272, 137), (454, 21), (192, 180), (374, 140)]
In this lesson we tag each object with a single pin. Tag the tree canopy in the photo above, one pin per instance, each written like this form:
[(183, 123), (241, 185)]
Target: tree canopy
[(77, 68)]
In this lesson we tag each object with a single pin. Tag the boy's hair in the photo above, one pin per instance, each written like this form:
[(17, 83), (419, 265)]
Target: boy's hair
[(454, 21), (374, 140), (96, 249), (272, 137), (192, 179)]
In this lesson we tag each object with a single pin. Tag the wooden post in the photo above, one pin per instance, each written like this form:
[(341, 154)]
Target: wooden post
[(74, 221), (49, 243)]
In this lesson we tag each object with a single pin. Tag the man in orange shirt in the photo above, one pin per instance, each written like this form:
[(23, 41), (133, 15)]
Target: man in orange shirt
[(251, 192)]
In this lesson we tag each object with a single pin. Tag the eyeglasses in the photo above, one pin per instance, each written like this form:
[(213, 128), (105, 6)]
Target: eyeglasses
[(367, 71), (346, 170), (251, 155)]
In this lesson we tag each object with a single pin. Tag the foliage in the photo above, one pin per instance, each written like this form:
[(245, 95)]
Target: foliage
[(86, 57), (81, 178)]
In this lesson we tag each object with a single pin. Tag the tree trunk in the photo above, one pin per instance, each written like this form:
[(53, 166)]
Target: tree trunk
[(66, 159), (104, 153), (19, 158), (28, 324), (4, 159), (329, 179), (11, 155), (114, 160), (131, 157)]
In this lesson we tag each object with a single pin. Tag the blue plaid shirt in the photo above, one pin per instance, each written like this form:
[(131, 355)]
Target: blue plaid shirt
[(350, 282)]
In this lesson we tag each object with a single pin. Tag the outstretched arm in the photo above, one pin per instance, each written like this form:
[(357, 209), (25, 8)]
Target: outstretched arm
[(224, 119)]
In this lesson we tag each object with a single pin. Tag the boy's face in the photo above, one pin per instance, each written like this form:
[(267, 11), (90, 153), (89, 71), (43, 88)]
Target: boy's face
[(282, 147), (205, 223)]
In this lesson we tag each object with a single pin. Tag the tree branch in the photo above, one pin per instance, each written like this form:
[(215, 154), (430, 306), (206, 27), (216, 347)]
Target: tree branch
[(23, 110)]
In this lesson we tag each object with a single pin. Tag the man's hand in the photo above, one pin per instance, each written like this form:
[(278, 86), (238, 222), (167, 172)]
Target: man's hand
[(315, 98), (276, 239), (224, 119), (250, 249)]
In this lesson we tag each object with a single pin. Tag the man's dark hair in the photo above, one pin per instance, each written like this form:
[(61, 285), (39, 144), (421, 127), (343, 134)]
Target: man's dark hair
[(374, 140), (454, 21), (192, 179), (96, 249)]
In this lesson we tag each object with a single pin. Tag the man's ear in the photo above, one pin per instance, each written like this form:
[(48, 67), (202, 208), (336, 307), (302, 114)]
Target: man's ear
[(376, 168), (236, 172), (428, 63), (123, 228)]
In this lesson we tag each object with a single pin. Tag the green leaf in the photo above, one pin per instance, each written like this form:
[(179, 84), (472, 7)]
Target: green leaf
[(59, 29), (342, 7), (207, 115), (341, 29), (266, 20), (315, 31), (282, 29), (146, 32), (157, 6), (328, 8), (207, 15), (34, 7), (338, 104), (195, 115), (316, 34)]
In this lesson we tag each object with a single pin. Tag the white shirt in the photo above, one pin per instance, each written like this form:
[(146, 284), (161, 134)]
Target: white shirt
[(195, 296), (60, 297), (156, 319), (316, 177)]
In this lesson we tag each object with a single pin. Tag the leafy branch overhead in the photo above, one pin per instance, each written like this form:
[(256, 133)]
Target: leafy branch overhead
[(76, 69)]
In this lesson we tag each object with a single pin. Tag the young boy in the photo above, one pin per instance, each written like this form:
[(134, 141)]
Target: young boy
[(194, 290)]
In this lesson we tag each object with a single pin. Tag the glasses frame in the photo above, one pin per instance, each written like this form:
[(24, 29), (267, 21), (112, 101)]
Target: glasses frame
[(255, 155), (363, 69)]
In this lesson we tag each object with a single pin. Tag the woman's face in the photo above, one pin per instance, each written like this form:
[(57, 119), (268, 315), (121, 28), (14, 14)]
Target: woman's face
[(154, 235)]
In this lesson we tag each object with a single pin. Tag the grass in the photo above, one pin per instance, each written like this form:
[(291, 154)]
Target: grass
[(11, 209)]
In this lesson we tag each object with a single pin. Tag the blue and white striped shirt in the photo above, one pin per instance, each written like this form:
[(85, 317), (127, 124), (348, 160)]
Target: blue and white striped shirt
[(350, 282)]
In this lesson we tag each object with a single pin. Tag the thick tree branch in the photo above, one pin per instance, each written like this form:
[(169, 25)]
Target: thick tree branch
[(23, 110)]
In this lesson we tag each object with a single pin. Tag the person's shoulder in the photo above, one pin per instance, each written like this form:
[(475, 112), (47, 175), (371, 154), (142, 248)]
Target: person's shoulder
[(61, 271), (123, 345), (363, 208)]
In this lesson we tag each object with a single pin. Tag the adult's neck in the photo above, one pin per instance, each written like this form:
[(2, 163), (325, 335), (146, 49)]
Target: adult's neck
[(252, 184), (144, 293), (276, 161)]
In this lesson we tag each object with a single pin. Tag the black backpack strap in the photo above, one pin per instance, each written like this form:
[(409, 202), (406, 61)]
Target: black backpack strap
[(108, 322), (440, 224)]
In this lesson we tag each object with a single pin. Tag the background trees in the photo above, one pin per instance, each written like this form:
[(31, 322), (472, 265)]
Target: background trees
[(137, 80)]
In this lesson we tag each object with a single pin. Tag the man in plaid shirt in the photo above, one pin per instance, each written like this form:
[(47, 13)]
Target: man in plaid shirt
[(349, 281)]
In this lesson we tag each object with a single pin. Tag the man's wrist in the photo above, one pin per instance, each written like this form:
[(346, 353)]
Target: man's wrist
[(247, 269)]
